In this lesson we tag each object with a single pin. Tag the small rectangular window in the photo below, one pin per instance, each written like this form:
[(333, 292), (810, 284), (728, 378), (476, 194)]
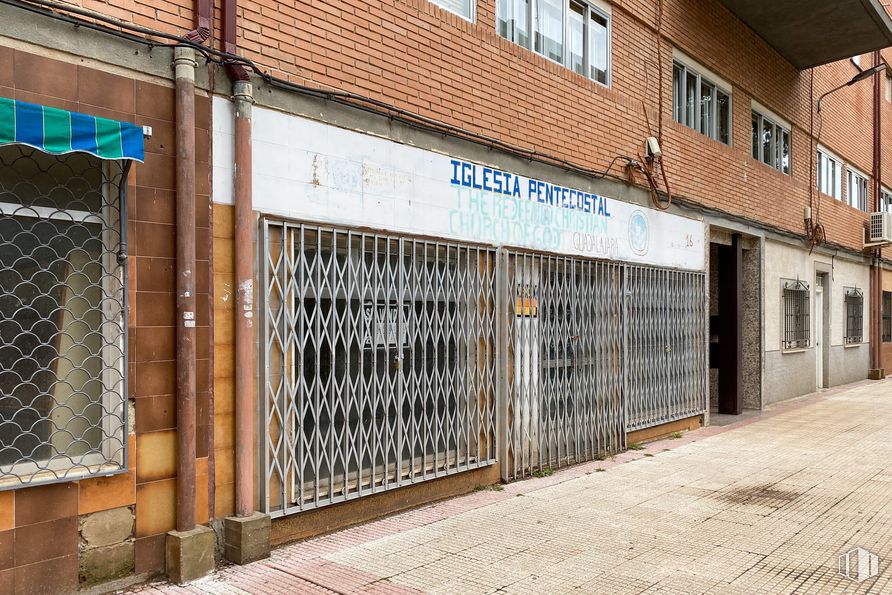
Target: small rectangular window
[(771, 143), (599, 47), (796, 315), (854, 303), (888, 87), (886, 200), (829, 180), (857, 190), (887, 317), (576, 40), (569, 32), (513, 22), (550, 29), (700, 103), (463, 8)]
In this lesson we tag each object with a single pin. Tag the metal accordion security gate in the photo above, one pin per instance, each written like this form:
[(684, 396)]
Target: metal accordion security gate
[(594, 350), (379, 362), (563, 373), (389, 360)]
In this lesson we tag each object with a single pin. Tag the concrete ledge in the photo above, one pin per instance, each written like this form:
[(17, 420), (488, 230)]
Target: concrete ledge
[(246, 539), (661, 431), (189, 554)]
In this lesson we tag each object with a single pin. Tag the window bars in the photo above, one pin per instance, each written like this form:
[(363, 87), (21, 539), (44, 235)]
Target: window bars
[(796, 315), (887, 316), (379, 363), (854, 302), (63, 295)]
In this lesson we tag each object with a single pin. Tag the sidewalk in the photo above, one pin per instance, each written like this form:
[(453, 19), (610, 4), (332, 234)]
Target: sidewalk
[(761, 506)]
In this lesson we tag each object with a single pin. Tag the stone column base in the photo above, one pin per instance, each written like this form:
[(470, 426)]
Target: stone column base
[(189, 554), (246, 539), (876, 374)]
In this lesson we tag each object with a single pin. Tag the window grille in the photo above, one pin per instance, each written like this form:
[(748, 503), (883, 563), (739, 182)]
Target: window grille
[(887, 317), (796, 315), (854, 302), (63, 294), (379, 362)]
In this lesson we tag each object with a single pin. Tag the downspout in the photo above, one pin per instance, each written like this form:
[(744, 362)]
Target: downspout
[(244, 272), (185, 64), (247, 534), (244, 303), (876, 294)]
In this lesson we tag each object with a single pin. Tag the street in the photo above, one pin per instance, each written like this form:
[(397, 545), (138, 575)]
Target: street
[(765, 505)]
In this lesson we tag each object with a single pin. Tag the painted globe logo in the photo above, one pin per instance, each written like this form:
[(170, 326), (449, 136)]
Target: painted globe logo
[(639, 236)]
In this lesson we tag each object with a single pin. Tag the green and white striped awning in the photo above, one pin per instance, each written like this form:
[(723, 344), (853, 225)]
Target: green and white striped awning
[(57, 132)]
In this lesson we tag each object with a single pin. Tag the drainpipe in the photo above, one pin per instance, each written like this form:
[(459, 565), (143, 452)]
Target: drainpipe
[(876, 278), (185, 64), (189, 550), (246, 536), (244, 303)]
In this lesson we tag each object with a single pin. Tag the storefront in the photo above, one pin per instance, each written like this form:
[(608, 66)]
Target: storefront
[(425, 314)]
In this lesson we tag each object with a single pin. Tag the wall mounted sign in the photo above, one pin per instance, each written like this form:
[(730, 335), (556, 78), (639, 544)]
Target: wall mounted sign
[(305, 169)]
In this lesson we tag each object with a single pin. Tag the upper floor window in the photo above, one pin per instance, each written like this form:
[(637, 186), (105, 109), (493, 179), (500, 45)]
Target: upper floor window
[(829, 180), (463, 8), (856, 184), (701, 103), (888, 87), (771, 142), (886, 200), (573, 33)]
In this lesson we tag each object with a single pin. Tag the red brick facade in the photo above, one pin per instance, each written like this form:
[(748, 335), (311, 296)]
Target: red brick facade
[(418, 56)]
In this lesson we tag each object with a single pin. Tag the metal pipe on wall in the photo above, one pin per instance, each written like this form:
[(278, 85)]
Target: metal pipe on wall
[(184, 65), (876, 278), (244, 302)]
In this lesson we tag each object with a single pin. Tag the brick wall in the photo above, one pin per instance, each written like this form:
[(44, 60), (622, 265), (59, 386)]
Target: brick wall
[(421, 57), (39, 526)]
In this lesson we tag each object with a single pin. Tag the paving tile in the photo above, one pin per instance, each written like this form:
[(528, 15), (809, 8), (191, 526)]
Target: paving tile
[(764, 506)]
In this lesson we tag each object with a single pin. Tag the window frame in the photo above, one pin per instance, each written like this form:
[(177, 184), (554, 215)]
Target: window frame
[(853, 304), (822, 155), (760, 117), (591, 7), (854, 176), (885, 200), (680, 100), (472, 9)]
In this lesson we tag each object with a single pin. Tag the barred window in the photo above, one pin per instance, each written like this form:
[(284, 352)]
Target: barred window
[(887, 317), (854, 302), (62, 321), (796, 315)]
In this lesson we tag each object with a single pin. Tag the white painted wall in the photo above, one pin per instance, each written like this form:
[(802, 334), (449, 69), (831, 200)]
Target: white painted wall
[(308, 170), (783, 261)]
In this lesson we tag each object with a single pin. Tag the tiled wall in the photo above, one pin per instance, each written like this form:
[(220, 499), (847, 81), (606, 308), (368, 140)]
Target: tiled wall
[(39, 542)]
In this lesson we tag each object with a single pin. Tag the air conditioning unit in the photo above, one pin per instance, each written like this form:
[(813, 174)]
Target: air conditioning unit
[(881, 227)]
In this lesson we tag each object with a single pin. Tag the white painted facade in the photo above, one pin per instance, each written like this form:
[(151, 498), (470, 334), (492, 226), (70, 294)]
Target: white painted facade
[(309, 170)]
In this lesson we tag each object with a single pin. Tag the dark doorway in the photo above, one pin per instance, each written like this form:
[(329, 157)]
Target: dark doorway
[(726, 325)]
